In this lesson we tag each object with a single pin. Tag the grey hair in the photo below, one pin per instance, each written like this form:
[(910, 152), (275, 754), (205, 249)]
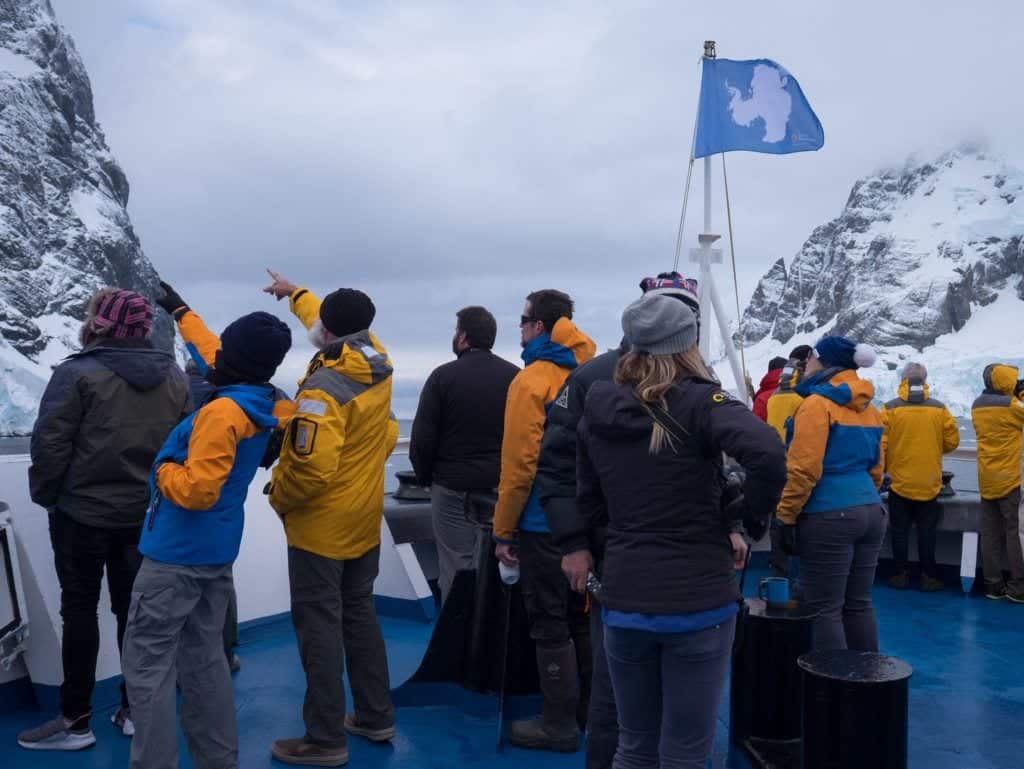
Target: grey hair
[(915, 370)]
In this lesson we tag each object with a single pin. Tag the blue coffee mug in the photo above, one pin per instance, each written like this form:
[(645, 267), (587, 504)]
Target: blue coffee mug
[(774, 590)]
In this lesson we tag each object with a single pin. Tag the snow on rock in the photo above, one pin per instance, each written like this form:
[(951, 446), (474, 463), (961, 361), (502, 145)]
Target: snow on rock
[(925, 263), (64, 229)]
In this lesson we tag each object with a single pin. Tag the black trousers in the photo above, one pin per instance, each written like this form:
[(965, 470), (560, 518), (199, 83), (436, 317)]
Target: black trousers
[(925, 514), (556, 613), (81, 554)]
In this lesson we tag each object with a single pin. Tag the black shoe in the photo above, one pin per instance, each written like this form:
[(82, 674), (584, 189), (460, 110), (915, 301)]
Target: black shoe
[(995, 592)]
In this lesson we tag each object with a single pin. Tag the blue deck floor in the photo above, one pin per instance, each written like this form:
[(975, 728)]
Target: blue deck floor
[(966, 703)]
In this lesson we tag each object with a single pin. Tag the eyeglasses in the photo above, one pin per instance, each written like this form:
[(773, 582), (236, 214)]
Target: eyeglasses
[(524, 319)]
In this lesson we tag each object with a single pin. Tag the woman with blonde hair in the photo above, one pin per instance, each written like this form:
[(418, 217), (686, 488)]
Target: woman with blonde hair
[(649, 461)]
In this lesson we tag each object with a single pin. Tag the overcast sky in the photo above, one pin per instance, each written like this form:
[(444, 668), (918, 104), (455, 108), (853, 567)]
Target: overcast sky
[(443, 154)]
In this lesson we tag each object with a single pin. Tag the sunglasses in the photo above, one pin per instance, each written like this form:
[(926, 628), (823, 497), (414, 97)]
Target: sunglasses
[(524, 319)]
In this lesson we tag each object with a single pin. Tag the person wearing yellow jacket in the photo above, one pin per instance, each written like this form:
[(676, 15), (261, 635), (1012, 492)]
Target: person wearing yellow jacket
[(552, 347), (328, 488), (918, 431), (998, 417), (834, 469), (784, 402)]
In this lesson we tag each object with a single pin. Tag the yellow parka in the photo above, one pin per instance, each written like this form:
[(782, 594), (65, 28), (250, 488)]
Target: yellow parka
[(998, 419), (328, 486), (918, 431), (781, 406)]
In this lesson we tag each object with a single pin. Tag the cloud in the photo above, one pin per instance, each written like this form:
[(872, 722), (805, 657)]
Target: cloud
[(441, 154)]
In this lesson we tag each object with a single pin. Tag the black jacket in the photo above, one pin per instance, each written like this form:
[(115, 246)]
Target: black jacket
[(668, 549), (556, 468), (456, 435), (104, 415)]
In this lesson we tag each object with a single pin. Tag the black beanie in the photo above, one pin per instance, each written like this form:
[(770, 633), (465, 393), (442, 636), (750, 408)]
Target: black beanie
[(776, 362), (346, 311), (800, 353), (253, 347)]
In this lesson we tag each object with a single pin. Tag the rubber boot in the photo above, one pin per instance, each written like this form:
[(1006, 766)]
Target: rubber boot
[(555, 729)]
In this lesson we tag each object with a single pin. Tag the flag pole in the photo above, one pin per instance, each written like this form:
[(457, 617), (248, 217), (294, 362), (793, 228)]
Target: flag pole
[(710, 303)]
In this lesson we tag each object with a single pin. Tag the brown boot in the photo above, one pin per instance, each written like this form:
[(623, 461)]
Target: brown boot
[(555, 729), (298, 750)]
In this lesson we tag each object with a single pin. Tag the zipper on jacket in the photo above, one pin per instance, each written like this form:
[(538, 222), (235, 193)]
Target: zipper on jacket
[(153, 508)]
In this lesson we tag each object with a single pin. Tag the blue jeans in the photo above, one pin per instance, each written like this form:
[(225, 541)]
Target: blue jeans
[(668, 687)]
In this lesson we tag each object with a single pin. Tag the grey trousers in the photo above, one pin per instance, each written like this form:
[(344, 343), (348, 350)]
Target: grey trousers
[(1000, 529), (327, 596), (456, 537), (838, 557), (175, 634)]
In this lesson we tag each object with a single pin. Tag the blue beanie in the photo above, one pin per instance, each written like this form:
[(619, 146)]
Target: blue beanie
[(253, 347), (840, 352)]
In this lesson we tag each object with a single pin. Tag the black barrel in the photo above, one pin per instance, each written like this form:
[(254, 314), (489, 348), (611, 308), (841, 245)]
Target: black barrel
[(855, 710), (764, 699)]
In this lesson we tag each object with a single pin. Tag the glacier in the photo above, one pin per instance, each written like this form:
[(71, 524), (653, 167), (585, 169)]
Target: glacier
[(925, 262)]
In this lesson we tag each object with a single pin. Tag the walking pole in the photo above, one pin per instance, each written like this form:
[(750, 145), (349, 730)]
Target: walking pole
[(509, 577)]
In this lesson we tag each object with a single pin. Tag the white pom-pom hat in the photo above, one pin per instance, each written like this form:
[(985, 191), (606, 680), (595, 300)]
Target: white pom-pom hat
[(840, 352)]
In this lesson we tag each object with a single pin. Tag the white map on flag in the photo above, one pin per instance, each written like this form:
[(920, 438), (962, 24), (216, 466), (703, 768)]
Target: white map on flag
[(767, 98)]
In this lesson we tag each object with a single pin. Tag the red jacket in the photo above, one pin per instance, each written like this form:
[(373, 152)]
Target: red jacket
[(769, 384)]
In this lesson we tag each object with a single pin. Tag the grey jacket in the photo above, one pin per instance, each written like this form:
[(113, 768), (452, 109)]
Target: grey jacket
[(105, 413)]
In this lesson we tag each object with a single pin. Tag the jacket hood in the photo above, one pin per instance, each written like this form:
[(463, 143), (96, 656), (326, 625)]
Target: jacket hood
[(134, 360), (256, 400), (614, 411), (360, 356), (565, 346), (842, 387), (903, 391), (770, 381), (1001, 378)]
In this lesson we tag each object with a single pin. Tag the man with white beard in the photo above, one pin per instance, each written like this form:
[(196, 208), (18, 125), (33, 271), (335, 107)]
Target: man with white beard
[(328, 488)]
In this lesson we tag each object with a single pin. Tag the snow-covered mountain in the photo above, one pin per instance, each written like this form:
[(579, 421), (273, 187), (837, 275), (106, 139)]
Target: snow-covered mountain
[(925, 262), (64, 230)]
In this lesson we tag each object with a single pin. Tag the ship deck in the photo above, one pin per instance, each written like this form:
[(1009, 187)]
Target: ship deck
[(966, 697)]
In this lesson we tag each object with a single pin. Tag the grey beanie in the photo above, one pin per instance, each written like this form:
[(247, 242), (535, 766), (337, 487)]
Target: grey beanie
[(659, 325)]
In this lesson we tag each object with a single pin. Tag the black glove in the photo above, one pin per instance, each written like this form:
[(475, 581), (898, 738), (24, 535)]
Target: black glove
[(787, 538), (171, 300)]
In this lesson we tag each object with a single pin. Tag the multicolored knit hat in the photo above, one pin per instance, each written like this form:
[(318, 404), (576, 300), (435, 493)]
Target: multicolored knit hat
[(122, 314), (674, 284)]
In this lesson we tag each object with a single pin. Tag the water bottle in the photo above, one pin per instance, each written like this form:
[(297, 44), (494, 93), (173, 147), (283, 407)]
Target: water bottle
[(509, 574)]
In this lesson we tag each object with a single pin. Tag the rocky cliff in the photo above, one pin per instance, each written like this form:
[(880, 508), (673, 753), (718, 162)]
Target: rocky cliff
[(64, 227)]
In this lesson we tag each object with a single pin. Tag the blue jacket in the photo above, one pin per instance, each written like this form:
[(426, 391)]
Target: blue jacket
[(175, 534), (835, 455)]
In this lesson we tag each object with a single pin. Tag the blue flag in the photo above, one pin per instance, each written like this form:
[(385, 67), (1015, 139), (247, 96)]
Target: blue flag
[(756, 106)]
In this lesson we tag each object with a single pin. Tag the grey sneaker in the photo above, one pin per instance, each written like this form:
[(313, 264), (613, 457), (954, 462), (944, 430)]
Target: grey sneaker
[(57, 734), (374, 735), (122, 719)]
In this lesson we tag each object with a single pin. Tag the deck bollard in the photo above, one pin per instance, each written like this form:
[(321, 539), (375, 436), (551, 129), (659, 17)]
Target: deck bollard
[(765, 687), (854, 710)]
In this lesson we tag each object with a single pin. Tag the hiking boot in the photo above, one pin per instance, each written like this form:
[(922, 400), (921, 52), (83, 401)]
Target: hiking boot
[(930, 584), (556, 728), (899, 581), (58, 734), (122, 719), (383, 734), (298, 750), (995, 592), (1015, 596)]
